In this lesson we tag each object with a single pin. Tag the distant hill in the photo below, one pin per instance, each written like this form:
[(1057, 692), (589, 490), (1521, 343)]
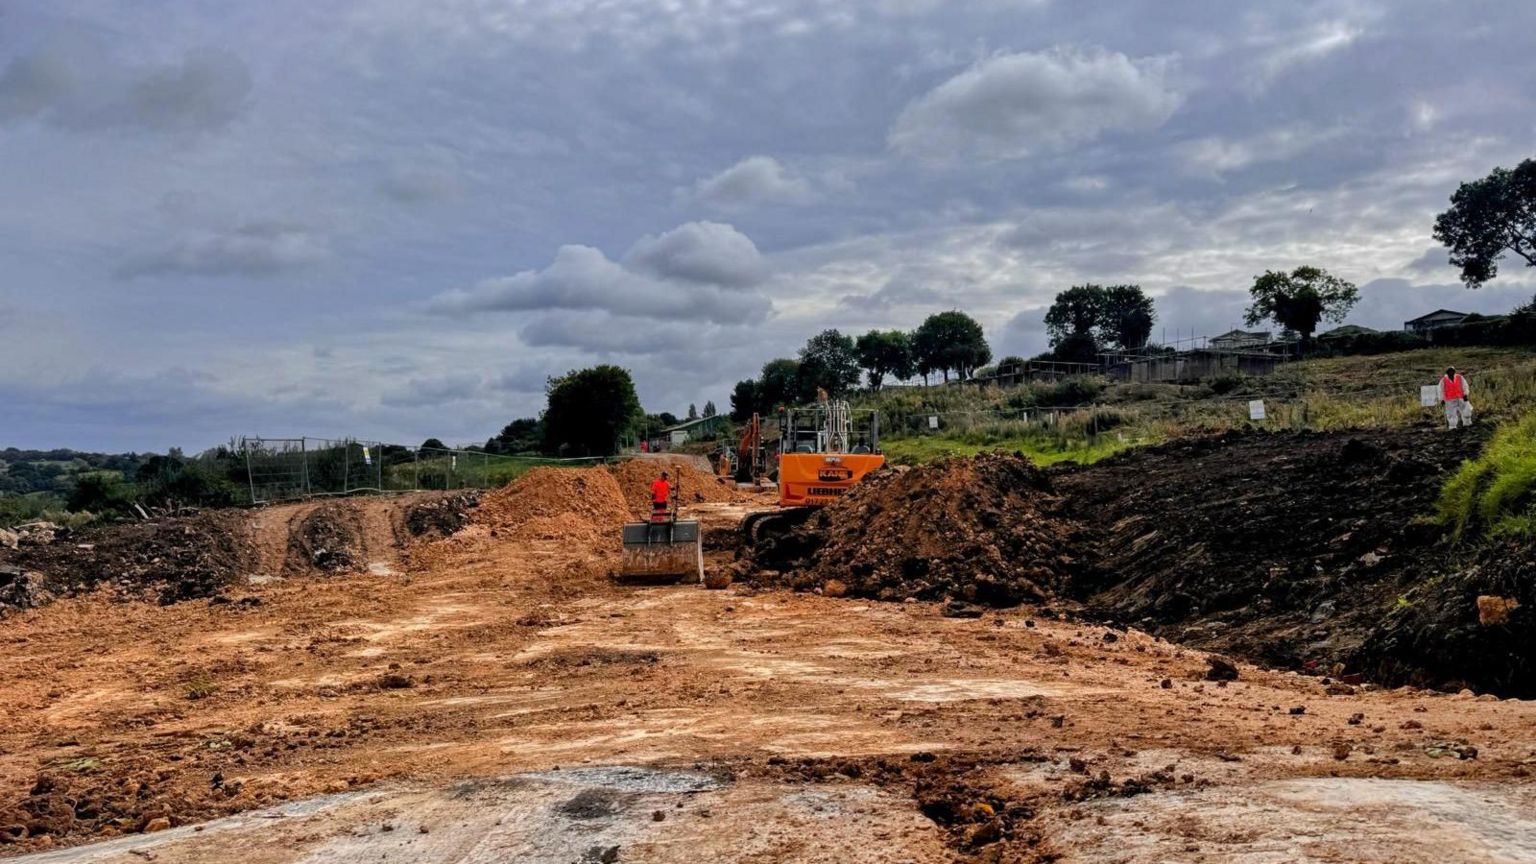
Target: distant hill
[(54, 471)]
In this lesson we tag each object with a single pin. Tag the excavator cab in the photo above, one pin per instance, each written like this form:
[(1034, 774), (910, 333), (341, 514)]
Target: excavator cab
[(824, 451)]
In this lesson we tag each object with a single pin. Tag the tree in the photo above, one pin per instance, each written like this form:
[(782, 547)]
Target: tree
[(709, 408), (693, 412), (1489, 217), (433, 444), (885, 352), (1299, 299), (746, 400), (1076, 348), (1126, 317), (524, 435), (827, 362), (590, 410), (1076, 311), (949, 341), (780, 384), (1118, 316)]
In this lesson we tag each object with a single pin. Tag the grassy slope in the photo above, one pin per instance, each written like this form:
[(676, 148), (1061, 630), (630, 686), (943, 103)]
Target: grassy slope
[(1335, 392), (1496, 493)]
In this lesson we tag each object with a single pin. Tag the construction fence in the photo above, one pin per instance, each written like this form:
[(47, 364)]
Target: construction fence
[(283, 469)]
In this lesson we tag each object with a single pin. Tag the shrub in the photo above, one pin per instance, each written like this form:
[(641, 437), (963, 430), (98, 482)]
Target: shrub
[(1228, 382), (102, 492), (1069, 392)]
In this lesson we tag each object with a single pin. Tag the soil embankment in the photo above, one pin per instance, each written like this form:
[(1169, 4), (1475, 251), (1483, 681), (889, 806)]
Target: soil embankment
[(202, 554), (983, 530), (1305, 550)]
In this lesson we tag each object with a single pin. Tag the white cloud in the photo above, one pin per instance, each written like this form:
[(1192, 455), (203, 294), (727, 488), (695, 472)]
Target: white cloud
[(253, 249), (1298, 49), (701, 271), (753, 180), (708, 253), (73, 82), (1012, 105), (1214, 156)]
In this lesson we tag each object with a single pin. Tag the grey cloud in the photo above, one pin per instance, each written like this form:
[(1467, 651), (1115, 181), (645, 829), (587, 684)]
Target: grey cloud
[(1023, 335), (73, 83), (754, 180), (434, 391), (706, 253), (1435, 258), (424, 179), (522, 380), (583, 278), (1012, 105), (254, 249), (911, 286), (1386, 303)]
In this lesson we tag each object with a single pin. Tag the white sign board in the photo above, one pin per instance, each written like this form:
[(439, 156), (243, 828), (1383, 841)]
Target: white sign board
[(1429, 396), (367, 459), (933, 422), (1256, 409)]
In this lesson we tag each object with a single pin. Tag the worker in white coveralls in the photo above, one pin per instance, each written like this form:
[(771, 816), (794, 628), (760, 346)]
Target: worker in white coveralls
[(1453, 392)]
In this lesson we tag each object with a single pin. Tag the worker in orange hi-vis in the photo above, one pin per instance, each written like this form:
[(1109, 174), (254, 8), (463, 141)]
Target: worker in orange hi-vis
[(661, 493), (1453, 392)]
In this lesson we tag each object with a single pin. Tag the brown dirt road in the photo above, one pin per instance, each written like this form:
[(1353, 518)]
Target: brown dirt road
[(823, 730)]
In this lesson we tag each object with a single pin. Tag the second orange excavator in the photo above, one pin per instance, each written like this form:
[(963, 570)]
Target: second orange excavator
[(824, 451)]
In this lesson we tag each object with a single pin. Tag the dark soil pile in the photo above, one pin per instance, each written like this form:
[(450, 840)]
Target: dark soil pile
[(1288, 548), (328, 539), (984, 530), (441, 517), (1474, 626), (171, 558)]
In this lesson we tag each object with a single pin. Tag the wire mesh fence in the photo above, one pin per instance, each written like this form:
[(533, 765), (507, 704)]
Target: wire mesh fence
[(282, 469)]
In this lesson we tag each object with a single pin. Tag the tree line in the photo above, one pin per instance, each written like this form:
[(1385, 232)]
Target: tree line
[(590, 410), (945, 343)]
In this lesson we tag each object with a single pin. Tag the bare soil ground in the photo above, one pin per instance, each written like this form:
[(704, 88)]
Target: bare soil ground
[(493, 697)]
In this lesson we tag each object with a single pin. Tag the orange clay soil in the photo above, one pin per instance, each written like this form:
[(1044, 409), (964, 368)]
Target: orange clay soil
[(495, 651)]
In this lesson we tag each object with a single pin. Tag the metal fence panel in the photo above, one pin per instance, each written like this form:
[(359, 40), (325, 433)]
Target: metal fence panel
[(282, 469)]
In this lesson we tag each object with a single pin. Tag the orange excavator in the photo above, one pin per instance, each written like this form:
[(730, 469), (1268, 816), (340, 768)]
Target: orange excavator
[(824, 451)]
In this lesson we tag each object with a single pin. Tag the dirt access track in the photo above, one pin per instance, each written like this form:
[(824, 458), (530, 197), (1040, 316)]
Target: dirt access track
[(492, 697)]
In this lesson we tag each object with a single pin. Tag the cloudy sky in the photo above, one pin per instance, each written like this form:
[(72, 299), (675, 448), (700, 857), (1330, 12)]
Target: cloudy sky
[(394, 219)]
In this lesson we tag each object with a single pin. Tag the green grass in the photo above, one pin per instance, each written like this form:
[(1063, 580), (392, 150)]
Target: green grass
[(1496, 492), (1377, 391), (472, 471), (917, 451)]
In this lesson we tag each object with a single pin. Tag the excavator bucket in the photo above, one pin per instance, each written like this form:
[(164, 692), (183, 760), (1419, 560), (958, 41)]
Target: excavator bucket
[(662, 553)]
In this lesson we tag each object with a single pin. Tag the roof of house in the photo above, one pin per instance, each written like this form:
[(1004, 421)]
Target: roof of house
[(1346, 330), (689, 424), (1439, 312), (1243, 334)]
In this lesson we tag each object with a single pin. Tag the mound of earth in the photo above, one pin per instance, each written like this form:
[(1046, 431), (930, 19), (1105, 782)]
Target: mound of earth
[(1288, 548), (441, 517), (1474, 626), (329, 539), (694, 485), (575, 505), (984, 529), (170, 558)]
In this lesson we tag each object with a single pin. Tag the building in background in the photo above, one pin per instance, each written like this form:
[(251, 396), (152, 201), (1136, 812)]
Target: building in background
[(1435, 320)]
